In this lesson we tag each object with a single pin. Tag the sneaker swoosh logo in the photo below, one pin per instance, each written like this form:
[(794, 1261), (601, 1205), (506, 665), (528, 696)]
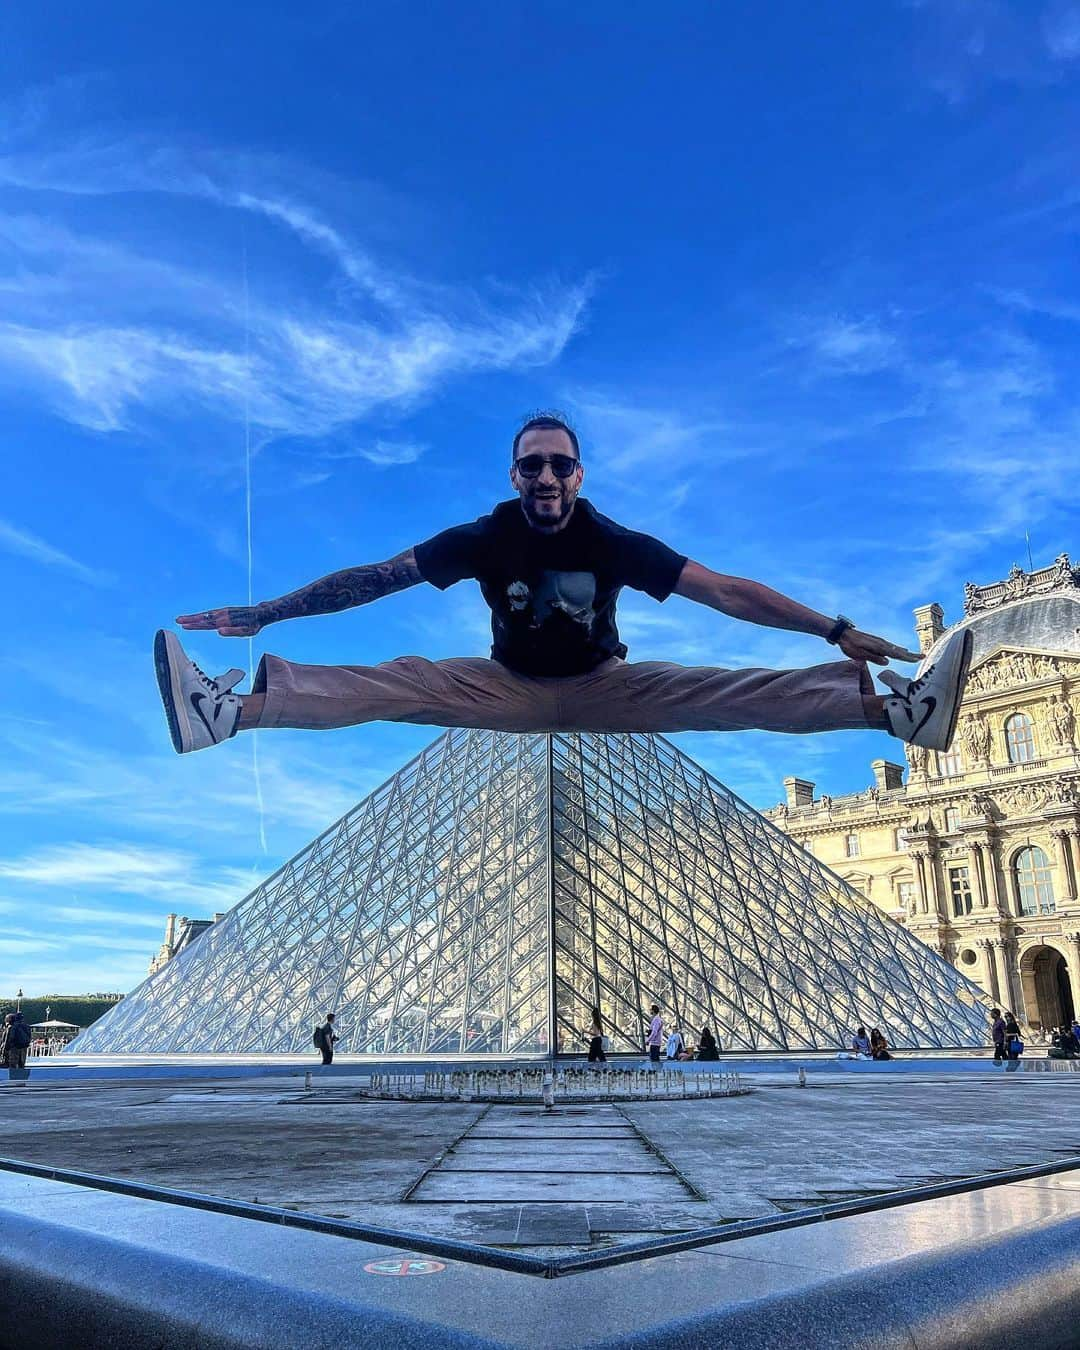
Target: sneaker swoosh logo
[(931, 705), (197, 700)]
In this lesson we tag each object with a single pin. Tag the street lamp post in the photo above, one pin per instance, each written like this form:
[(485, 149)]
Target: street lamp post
[(18, 1001)]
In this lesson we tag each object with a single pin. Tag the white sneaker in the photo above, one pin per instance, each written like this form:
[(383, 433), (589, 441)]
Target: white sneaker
[(201, 711), (924, 711)]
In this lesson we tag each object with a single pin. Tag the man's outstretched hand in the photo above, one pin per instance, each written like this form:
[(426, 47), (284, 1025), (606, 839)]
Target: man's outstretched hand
[(233, 621), (866, 647)]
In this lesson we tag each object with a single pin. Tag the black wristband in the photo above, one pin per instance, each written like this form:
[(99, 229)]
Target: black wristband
[(839, 628)]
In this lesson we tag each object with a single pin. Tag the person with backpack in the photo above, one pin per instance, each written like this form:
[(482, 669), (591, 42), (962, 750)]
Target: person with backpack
[(14, 1043), (324, 1039)]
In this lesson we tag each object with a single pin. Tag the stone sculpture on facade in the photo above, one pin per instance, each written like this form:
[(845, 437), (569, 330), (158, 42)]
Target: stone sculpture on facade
[(1062, 720), (918, 757), (975, 738)]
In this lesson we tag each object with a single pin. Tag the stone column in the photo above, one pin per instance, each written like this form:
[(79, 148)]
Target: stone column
[(918, 860), (986, 947), (1065, 857), (1005, 987), (1074, 969), (998, 884), (976, 854)]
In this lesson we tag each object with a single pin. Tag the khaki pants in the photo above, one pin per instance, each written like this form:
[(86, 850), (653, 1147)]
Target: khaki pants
[(616, 696)]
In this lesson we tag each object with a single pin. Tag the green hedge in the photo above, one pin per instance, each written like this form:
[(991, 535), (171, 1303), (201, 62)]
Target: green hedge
[(82, 1009)]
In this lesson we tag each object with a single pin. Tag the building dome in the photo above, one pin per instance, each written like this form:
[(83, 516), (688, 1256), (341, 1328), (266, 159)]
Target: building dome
[(1032, 611)]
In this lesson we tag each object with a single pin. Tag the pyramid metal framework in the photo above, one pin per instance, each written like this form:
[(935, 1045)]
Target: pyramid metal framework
[(499, 886)]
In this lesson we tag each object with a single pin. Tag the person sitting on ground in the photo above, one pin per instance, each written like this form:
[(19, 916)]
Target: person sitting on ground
[(1063, 1045), (860, 1043), (708, 1046), (879, 1046), (676, 1044)]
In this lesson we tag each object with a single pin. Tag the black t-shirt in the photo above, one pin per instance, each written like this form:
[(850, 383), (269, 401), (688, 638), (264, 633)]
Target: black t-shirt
[(552, 596)]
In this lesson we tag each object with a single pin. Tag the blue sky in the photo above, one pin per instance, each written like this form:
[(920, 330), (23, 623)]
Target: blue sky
[(804, 276)]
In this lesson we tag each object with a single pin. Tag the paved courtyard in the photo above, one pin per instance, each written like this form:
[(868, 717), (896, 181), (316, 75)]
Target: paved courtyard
[(582, 1176)]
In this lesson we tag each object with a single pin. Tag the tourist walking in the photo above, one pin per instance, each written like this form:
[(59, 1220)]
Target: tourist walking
[(1014, 1043), (596, 1039), (708, 1048), (655, 1038), (997, 1034), (325, 1036), (14, 1043)]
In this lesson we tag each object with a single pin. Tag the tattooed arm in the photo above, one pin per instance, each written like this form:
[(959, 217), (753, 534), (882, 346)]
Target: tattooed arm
[(340, 590)]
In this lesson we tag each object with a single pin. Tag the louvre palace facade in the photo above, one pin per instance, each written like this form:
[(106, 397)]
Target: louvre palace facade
[(977, 851)]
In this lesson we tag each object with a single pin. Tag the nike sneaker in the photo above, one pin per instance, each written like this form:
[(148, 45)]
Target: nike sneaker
[(924, 711), (201, 711)]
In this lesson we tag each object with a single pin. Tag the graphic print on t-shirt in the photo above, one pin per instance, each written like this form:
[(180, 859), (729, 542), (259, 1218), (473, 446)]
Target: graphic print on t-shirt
[(569, 594)]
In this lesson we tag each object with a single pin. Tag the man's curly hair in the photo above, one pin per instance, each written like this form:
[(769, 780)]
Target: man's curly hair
[(550, 419)]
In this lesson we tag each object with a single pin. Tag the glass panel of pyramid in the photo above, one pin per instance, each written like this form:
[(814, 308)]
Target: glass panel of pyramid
[(493, 891)]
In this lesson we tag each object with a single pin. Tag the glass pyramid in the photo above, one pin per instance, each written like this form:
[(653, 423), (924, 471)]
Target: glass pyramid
[(489, 894)]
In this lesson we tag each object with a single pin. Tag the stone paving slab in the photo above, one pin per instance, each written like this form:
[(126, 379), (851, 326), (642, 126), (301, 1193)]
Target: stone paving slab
[(543, 1186), (780, 1148)]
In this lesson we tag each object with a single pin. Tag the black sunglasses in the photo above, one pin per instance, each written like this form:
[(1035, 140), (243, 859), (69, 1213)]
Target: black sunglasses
[(532, 466)]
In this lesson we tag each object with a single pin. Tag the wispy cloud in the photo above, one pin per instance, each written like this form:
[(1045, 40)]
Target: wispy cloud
[(626, 436), (125, 869), (842, 345), (24, 544), (108, 330), (1060, 24), (379, 452), (965, 45)]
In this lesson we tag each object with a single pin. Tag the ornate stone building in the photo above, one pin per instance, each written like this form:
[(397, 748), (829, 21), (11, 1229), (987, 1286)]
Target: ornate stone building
[(977, 851), (179, 933)]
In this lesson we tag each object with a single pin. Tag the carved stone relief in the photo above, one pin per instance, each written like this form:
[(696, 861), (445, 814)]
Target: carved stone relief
[(1029, 797), (1011, 669), (1060, 575), (1061, 720), (918, 757), (975, 738)]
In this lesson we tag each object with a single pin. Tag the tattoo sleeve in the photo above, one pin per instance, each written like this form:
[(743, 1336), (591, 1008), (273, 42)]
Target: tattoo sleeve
[(343, 590)]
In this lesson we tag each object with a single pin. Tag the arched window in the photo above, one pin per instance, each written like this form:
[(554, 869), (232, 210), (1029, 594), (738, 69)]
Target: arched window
[(1019, 739), (1034, 888)]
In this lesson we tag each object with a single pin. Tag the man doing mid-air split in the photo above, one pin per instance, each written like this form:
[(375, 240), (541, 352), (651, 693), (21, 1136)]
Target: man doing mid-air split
[(550, 566)]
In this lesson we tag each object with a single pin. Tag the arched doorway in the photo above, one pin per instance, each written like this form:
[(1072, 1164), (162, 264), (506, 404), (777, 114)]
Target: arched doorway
[(1048, 994)]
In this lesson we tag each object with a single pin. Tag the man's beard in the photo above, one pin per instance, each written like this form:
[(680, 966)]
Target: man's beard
[(529, 504)]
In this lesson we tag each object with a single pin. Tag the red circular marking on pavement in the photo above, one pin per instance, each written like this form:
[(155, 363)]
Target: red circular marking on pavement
[(404, 1265)]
